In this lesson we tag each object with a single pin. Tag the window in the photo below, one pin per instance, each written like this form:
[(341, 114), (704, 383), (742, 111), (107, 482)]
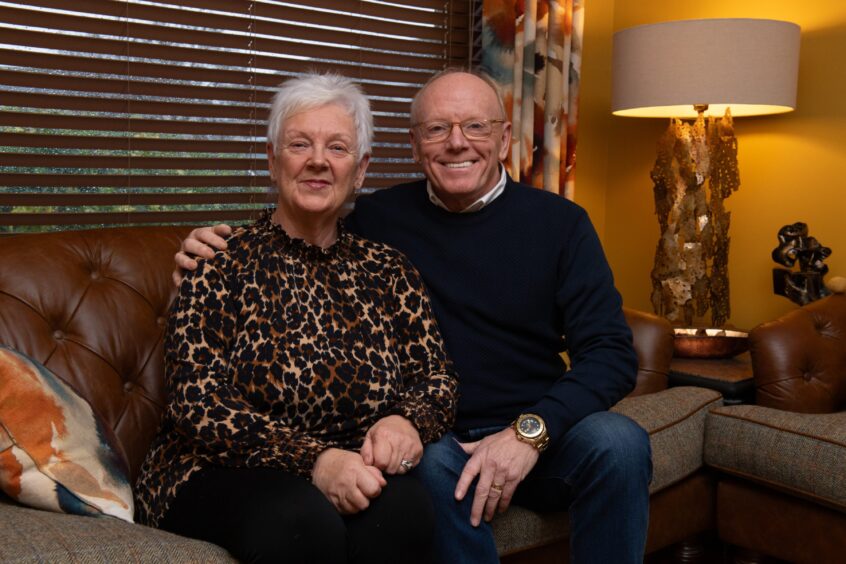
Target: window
[(139, 112)]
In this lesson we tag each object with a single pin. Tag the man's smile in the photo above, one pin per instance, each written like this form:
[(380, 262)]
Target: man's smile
[(462, 164)]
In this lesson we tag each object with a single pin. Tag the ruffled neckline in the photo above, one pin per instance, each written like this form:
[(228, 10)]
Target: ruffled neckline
[(300, 248)]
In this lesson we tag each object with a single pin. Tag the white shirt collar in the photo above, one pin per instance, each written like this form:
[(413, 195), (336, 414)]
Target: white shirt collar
[(489, 197)]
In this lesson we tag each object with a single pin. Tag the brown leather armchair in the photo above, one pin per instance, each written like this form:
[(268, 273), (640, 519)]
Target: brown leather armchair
[(784, 493), (91, 306)]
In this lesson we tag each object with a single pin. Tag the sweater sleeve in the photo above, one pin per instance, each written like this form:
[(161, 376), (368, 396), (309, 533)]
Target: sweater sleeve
[(208, 409), (598, 339), (429, 395)]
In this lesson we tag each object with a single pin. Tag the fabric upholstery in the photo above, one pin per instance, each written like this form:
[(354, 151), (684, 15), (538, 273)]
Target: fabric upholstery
[(675, 421), (55, 452), (91, 306), (520, 529), (802, 453), (30, 535), (799, 359), (787, 455)]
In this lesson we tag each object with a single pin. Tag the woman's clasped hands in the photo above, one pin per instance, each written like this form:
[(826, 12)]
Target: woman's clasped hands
[(350, 479)]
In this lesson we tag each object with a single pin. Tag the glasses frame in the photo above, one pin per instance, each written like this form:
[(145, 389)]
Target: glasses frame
[(420, 125)]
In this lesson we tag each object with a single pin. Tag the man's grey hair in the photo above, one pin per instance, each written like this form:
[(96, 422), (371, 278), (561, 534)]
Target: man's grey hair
[(415, 102), (312, 90)]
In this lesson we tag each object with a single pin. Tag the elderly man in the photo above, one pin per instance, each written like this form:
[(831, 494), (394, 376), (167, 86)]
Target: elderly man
[(516, 276)]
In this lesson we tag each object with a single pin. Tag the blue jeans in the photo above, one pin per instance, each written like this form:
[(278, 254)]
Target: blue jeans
[(599, 471)]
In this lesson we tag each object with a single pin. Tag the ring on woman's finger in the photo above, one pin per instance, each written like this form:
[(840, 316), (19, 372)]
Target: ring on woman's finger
[(407, 464), (497, 487)]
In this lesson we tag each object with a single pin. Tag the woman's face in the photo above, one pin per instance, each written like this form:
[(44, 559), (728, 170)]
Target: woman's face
[(314, 164)]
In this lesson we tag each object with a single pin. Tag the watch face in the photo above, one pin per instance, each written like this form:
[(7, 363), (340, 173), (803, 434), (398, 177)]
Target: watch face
[(530, 426)]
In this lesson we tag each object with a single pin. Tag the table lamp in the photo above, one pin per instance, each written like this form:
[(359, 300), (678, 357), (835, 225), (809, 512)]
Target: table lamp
[(683, 70)]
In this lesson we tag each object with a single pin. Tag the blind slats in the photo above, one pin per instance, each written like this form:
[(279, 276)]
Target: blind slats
[(164, 145), (122, 112), (120, 36), (77, 200), (139, 163), (12, 181)]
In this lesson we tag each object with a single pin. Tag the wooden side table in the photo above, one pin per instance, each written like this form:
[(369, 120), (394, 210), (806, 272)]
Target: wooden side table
[(732, 377)]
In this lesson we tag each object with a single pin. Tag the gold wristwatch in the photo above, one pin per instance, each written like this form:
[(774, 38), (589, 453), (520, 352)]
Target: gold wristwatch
[(530, 428)]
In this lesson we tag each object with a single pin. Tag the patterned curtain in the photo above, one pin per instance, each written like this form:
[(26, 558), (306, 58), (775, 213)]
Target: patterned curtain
[(533, 49)]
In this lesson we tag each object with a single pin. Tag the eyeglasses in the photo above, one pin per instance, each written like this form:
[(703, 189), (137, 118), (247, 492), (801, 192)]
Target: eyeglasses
[(438, 130)]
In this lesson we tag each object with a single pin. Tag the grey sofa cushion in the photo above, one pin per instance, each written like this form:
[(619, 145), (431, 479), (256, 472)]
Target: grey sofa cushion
[(675, 421), (32, 535), (521, 529), (799, 452)]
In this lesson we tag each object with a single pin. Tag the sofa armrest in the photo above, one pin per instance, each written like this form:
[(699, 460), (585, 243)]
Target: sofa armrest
[(653, 342), (675, 421)]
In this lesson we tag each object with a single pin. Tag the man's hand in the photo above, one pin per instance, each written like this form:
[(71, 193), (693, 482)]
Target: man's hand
[(201, 242), (501, 461), (389, 442), (346, 481)]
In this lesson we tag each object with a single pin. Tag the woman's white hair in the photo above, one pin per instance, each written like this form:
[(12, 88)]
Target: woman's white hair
[(312, 90)]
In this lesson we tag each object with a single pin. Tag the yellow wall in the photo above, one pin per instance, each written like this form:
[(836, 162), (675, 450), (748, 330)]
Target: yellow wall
[(792, 166)]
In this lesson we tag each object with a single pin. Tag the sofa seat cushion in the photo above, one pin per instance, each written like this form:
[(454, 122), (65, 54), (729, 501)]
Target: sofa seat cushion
[(804, 454), (32, 535), (675, 421)]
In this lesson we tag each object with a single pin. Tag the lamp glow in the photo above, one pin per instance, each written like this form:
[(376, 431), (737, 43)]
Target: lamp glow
[(678, 70)]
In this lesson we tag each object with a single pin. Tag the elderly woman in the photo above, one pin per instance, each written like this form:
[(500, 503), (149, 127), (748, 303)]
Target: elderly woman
[(304, 367)]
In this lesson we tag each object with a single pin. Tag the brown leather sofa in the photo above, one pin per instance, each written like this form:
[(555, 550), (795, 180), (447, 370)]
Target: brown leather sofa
[(91, 306), (784, 459)]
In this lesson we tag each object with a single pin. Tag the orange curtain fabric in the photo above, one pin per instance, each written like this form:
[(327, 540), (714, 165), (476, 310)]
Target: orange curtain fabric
[(533, 49)]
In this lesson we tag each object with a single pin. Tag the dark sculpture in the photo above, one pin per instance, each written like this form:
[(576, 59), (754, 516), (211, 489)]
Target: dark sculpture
[(794, 245)]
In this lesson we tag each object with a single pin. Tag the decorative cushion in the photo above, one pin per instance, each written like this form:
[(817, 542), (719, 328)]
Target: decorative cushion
[(798, 452), (55, 453)]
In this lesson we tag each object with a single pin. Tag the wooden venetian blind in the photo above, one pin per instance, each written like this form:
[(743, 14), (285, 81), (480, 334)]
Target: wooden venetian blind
[(135, 112)]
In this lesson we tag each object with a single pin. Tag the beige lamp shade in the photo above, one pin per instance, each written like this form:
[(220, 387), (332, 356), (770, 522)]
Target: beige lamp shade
[(664, 69)]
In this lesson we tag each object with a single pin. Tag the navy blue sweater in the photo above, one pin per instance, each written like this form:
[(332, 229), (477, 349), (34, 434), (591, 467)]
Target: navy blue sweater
[(512, 285)]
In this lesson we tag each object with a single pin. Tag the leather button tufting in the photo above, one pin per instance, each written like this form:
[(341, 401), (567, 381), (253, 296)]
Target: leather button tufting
[(95, 276), (128, 387), (807, 376), (160, 321), (58, 334)]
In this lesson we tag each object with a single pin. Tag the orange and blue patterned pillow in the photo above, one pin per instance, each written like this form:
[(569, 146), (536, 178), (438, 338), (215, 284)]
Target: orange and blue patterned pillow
[(55, 452)]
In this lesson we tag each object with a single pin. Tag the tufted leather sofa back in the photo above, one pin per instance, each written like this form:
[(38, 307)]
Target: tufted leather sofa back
[(91, 306), (799, 359)]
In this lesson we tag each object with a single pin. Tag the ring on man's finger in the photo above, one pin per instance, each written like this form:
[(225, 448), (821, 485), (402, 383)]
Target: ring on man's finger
[(407, 464), (497, 487)]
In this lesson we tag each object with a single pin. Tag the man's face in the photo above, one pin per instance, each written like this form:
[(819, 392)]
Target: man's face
[(460, 170)]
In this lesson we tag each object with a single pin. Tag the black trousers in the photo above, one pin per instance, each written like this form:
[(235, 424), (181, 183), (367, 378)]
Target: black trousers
[(267, 515)]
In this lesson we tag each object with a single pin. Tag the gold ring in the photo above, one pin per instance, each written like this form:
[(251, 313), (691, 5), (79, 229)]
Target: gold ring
[(497, 487)]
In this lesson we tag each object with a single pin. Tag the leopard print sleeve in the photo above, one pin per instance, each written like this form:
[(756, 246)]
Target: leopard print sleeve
[(429, 394), (209, 412)]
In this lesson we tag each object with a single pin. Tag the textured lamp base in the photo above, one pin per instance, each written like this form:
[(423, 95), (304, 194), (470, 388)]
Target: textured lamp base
[(694, 172)]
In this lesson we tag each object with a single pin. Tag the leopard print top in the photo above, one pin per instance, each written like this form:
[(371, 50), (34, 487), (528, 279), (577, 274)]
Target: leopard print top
[(277, 350)]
